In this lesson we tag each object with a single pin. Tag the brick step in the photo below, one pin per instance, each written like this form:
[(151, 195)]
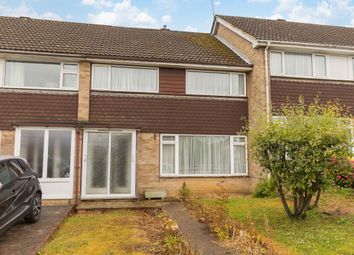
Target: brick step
[(112, 205)]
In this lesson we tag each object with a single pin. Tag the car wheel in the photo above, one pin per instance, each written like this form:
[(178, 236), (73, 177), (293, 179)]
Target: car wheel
[(35, 209)]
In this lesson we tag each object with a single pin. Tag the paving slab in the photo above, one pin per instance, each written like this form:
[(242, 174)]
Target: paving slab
[(197, 234), (27, 239)]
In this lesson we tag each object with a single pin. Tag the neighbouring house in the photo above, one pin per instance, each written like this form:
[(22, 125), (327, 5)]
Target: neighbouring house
[(104, 112), (291, 59)]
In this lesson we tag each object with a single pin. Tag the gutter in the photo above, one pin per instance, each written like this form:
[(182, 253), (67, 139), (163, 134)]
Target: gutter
[(267, 80), (127, 61)]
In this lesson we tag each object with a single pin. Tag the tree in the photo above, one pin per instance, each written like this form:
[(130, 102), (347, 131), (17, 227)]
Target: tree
[(303, 150)]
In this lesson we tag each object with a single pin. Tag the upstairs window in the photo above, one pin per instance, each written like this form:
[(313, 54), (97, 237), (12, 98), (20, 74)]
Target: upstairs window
[(320, 66), (298, 64), (216, 83), (41, 75), (119, 78)]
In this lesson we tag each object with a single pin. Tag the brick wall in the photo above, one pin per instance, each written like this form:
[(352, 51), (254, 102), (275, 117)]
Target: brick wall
[(256, 82), (84, 91), (148, 173), (7, 142)]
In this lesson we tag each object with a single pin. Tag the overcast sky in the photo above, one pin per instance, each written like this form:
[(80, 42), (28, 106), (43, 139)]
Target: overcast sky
[(191, 15)]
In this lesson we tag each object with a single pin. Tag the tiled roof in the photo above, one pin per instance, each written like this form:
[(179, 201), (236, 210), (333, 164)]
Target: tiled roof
[(286, 31), (114, 42)]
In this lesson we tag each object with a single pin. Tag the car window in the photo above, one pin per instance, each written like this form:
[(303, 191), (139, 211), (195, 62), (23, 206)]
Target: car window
[(23, 164), (5, 177), (15, 168)]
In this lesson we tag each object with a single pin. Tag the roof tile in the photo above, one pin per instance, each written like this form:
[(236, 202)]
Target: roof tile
[(296, 32), (114, 42)]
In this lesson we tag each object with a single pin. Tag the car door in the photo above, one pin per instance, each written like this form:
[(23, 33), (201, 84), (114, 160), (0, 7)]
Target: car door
[(7, 194), (22, 186)]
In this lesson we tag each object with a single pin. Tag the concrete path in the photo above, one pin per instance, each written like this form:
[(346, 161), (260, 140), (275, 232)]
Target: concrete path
[(27, 239), (196, 233)]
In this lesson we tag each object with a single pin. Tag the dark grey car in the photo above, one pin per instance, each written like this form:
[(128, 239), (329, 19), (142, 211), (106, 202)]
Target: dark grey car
[(20, 192)]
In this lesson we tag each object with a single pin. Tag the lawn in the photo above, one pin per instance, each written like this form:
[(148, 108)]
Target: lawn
[(330, 230), (119, 232)]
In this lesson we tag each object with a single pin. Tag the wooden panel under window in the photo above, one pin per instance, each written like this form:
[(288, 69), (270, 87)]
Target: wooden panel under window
[(37, 109), (289, 90), (172, 81), (158, 114)]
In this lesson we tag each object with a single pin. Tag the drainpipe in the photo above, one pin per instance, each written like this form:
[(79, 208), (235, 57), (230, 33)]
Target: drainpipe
[(267, 80), (78, 153)]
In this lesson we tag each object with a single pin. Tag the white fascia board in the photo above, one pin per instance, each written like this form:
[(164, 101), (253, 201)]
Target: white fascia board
[(23, 55), (311, 48), (238, 31)]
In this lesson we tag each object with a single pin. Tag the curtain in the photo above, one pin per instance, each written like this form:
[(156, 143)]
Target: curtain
[(32, 147), (240, 161), (204, 155), (338, 67), (320, 66), (14, 74), (59, 154), (208, 83), (100, 77), (134, 79), (298, 64), (238, 85), (69, 80), (168, 158), (276, 64)]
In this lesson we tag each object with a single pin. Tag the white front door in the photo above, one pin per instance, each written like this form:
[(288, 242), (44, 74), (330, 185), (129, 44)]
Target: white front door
[(109, 164), (50, 152)]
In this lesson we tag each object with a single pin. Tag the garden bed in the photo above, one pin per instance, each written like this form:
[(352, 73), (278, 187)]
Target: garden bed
[(328, 230), (117, 232)]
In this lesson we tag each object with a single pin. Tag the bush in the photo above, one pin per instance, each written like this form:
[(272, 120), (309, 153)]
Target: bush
[(265, 188), (304, 151), (345, 181)]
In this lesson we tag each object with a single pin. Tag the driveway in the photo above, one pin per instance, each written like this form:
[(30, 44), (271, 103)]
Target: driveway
[(27, 239)]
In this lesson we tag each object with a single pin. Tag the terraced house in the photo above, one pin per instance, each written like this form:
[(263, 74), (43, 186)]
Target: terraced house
[(292, 59), (106, 112)]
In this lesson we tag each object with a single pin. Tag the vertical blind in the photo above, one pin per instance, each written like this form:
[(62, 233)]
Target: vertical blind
[(217, 84), (320, 66), (276, 63), (203, 155), (125, 78)]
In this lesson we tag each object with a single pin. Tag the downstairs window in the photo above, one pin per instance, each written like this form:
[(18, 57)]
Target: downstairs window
[(203, 155), (48, 151)]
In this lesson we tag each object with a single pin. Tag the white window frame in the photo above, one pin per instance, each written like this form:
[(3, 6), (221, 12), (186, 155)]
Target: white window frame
[(327, 57), (176, 143), (217, 72), (62, 72), (107, 195), (109, 87), (46, 130), (314, 69)]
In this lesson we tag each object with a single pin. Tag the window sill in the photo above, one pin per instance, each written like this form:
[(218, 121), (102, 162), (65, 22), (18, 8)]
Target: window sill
[(204, 176), (40, 88), (309, 78)]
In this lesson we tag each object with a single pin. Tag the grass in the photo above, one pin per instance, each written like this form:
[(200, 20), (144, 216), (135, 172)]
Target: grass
[(111, 233), (320, 233)]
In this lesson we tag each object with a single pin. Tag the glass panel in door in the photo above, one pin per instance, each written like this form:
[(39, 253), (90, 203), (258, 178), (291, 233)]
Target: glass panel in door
[(120, 168), (97, 162)]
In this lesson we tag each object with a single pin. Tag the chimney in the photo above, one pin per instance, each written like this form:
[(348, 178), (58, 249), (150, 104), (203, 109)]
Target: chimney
[(164, 28)]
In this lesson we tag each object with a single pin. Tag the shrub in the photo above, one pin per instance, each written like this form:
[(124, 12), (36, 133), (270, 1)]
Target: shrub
[(303, 151), (345, 181), (184, 192), (265, 188)]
